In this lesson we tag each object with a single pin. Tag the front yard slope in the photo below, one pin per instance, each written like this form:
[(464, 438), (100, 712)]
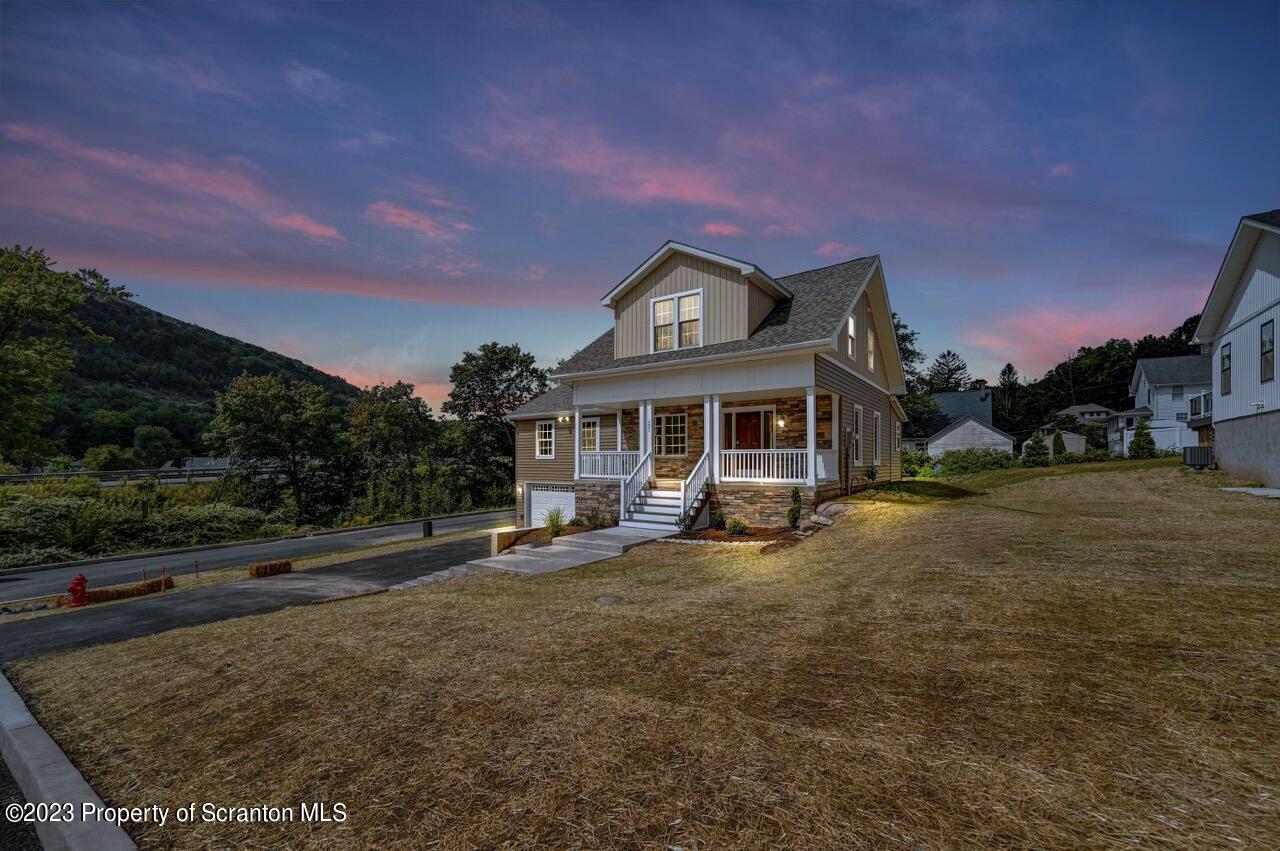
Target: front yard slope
[(1072, 661)]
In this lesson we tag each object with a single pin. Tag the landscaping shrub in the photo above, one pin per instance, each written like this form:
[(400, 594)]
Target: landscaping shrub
[(717, 519), (1059, 443), (555, 523), (1143, 445), (913, 463), (189, 525), (1035, 453), (963, 462), (38, 555), (596, 520), (737, 526), (270, 568), (1069, 458), (872, 472), (1094, 455), (123, 592), (793, 513)]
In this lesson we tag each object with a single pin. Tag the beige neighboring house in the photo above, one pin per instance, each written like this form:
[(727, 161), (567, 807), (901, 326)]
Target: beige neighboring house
[(718, 386)]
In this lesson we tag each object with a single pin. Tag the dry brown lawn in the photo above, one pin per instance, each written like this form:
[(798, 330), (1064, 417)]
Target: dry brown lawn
[(1087, 660)]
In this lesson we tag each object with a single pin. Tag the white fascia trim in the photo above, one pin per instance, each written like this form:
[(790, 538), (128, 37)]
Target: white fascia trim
[(1201, 335), (671, 247), (814, 346), (837, 362)]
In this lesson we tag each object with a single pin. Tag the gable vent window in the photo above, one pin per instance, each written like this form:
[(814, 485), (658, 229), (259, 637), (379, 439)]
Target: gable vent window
[(871, 348), (851, 338), (1224, 363), (1268, 348), (677, 322)]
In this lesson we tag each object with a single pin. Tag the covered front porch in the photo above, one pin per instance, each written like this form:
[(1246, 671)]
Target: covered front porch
[(787, 438)]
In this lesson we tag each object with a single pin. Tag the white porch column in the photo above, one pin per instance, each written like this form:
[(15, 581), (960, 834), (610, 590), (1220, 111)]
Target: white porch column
[(836, 436), (577, 441), (706, 427), (811, 432), (617, 431), (715, 438), (646, 427)]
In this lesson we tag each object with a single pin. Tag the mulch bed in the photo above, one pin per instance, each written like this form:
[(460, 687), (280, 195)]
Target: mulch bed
[(754, 534), (539, 536)]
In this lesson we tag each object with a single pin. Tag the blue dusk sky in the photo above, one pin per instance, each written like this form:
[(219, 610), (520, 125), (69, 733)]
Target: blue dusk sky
[(377, 187)]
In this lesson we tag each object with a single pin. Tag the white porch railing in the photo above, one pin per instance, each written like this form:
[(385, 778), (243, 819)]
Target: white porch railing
[(764, 465), (633, 484), (1200, 405), (607, 465), (694, 484), (827, 464)]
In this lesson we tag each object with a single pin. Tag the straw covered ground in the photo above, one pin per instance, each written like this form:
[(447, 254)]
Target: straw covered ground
[(1078, 660)]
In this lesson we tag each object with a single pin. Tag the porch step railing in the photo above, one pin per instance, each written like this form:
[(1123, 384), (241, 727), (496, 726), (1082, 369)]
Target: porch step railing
[(692, 487), (633, 484), (607, 465), (764, 465)]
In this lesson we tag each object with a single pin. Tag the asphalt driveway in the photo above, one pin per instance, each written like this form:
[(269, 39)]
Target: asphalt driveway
[(41, 583), (147, 615)]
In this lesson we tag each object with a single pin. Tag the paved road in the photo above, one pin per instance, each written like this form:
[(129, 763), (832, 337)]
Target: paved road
[(160, 612), (25, 586)]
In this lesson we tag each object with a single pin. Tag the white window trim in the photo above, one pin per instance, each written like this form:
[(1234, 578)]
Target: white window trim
[(675, 318), (538, 427), (857, 435), (582, 431), (875, 451), (659, 437), (772, 410), (1225, 372)]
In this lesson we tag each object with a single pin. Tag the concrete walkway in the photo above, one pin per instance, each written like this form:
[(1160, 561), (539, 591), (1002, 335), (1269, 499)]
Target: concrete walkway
[(174, 610), (570, 550), (1270, 493)]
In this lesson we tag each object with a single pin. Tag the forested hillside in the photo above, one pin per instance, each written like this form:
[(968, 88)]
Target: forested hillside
[(157, 371)]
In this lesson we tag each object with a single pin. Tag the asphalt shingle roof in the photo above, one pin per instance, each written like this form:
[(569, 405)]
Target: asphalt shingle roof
[(966, 403), (1272, 218), (820, 298), (554, 401), (961, 421), (1184, 369)]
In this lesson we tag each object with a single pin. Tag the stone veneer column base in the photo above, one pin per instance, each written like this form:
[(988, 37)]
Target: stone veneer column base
[(599, 494), (767, 505)]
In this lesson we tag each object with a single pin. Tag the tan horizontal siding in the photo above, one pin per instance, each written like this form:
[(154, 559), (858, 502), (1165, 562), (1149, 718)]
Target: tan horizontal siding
[(531, 469), (855, 391)]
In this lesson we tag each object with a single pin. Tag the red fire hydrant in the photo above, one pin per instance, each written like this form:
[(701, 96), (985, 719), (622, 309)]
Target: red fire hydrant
[(78, 592)]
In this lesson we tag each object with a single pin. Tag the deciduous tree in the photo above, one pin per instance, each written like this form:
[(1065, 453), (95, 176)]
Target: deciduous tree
[(490, 383), (391, 429)]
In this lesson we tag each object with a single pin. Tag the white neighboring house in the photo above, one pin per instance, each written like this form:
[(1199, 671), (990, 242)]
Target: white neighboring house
[(1076, 443), (969, 433), (1162, 389), (1238, 325)]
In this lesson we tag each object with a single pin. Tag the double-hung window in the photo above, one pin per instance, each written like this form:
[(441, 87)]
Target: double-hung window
[(1179, 391), (857, 435), (677, 322), (590, 434), (1267, 369), (544, 443), (1224, 364), (670, 436), (851, 338)]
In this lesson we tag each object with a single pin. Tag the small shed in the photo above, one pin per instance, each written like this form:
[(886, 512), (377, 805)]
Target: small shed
[(969, 433)]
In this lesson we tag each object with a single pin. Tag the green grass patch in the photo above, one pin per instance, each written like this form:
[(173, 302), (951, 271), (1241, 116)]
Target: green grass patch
[(1000, 478), (916, 490)]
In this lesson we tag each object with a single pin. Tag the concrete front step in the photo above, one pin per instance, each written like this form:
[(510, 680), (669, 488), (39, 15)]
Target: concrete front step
[(572, 550), (552, 558), (669, 526)]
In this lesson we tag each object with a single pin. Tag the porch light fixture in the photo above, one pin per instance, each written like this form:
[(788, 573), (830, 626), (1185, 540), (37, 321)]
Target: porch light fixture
[(782, 423)]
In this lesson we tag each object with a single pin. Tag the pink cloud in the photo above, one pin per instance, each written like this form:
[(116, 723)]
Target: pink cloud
[(720, 229), (1062, 169), (838, 249), (196, 178), (432, 227), (537, 271)]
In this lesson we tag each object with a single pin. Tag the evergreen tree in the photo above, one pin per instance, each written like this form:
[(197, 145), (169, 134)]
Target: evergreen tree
[(1005, 397), (910, 354), (947, 373), (1036, 452), (1059, 443), (1143, 445)]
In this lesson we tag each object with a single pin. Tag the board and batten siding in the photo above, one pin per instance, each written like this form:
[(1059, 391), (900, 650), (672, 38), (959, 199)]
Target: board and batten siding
[(759, 305), (830, 378), (560, 468), (971, 435), (1256, 302), (725, 309)]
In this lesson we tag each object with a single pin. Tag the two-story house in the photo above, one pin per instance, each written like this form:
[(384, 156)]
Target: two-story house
[(718, 386), (1162, 390), (1238, 328)]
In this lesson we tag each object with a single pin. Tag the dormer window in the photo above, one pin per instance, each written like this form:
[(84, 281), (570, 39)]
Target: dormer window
[(677, 322), (851, 338)]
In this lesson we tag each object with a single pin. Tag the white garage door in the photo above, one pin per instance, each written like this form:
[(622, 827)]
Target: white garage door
[(543, 498)]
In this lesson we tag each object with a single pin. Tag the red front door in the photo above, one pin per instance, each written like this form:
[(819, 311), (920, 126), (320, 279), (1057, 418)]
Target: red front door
[(749, 430)]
